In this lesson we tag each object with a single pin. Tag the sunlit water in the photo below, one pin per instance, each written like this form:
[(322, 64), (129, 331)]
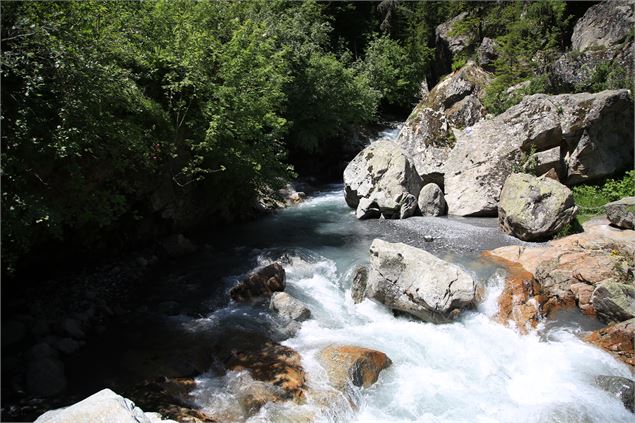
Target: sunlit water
[(473, 370)]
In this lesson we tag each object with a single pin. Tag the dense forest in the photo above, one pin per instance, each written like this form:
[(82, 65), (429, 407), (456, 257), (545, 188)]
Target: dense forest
[(123, 121)]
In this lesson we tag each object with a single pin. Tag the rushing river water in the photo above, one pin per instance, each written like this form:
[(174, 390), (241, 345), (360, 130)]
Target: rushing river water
[(472, 370)]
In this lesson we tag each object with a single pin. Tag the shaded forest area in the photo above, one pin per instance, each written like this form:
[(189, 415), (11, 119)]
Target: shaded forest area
[(123, 122)]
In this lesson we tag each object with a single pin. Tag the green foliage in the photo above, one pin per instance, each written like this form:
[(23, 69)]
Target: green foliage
[(458, 63), (607, 76), (498, 96), (571, 228), (591, 198), (390, 71)]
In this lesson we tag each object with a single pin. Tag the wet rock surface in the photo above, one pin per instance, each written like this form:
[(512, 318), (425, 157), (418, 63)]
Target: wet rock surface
[(261, 283), (352, 365)]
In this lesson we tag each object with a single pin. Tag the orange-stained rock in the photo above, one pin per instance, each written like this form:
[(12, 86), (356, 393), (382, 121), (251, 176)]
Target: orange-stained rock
[(617, 339), (582, 293), (521, 298), (276, 364), (351, 364)]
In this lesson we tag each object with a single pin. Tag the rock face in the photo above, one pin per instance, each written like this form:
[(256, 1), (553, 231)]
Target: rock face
[(427, 135), (621, 213), (432, 201), (385, 179), (261, 283), (603, 25), (346, 364), (414, 281), (532, 208), (289, 307), (617, 339), (104, 406), (448, 46), (565, 272), (594, 132), (620, 387), (486, 53)]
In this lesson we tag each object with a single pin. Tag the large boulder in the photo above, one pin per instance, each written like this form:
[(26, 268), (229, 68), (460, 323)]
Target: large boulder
[(594, 132), (449, 45), (289, 307), (603, 25), (532, 208), (427, 135), (104, 406), (614, 301), (621, 213), (262, 282), (349, 364), (414, 281), (432, 201), (616, 339), (486, 53), (383, 176)]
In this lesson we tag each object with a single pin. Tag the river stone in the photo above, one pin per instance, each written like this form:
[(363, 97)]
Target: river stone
[(533, 208), (617, 340), (595, 131), (384, 176), (431, 201), (289, 307), (614, 301), (621, 213), (620, 387), (262, 282), (603, 25), (348, 364), (104, 406), (358, 287), (414, 281)]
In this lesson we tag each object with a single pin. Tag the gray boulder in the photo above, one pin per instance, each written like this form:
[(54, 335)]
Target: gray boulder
[(603, 25), (104, 406), (448, 45), (541, 162), (621, 213), (358, 287), (289, 307), (594, 132), (533, 208), (432, 201), (620, 387), (413, 281), (486, 53), (614, 301), (383, 176)]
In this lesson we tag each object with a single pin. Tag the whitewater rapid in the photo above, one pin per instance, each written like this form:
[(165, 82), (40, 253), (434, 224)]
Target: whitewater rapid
[(472, 370)]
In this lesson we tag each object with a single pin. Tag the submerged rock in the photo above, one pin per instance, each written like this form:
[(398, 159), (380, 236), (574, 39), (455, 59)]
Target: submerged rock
[(260, 283), (384, 179), (532, 208), (348, 364), (594, 131), (432, 201), (621, 213), (620, 387), (104, 406), (289, 307), (414, 281)]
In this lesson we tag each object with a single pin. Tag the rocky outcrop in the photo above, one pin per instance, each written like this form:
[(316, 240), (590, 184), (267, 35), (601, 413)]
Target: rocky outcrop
[(448, 45), (603, 25), (432, 201), (104, 406), (533, 208), (594, 132), (564, 272), (617, 339), (413, 281), (352, 365), (620, 387), (487, 54), (260, 283), (621, 213), (387, 182), (427, 135), (289, 307)]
